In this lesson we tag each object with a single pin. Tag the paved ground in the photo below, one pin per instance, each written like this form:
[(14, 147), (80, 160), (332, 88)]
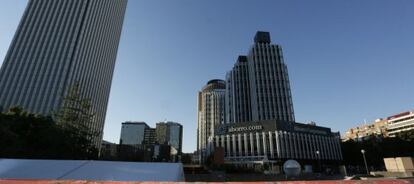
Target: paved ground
[(281, 182), (251, 177)]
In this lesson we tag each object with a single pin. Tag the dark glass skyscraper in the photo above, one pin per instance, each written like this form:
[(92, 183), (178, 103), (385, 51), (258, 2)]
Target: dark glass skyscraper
[(59, 43)]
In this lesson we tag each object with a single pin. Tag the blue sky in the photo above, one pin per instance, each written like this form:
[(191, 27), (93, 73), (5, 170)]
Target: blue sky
[(348, 60)]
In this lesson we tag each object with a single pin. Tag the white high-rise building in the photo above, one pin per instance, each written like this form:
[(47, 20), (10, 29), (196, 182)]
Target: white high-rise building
[(210, 114), (258, 86)]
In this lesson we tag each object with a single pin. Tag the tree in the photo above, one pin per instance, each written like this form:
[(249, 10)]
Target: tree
[(76, 117), (376, 149), (65, 136), (407, 135), (27, 135)]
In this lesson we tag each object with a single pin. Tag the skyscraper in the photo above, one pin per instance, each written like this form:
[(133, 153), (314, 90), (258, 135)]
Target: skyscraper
[(211, 109), (258, 85), (133, 133), (57, 44), (238, 106), (260, 123), (170, 133)]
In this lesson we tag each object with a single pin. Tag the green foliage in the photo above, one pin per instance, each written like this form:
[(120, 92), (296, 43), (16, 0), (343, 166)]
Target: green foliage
[(76, 117), (376, 149), (65, 136), (23, 133), (407, 135), (75, 111)]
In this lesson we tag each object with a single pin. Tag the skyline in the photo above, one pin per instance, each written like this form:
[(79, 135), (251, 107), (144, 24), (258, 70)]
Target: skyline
[(319, 62)]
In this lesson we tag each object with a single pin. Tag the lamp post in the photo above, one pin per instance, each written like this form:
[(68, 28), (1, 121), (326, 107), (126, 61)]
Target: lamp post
[(365, 160), (319, 160)]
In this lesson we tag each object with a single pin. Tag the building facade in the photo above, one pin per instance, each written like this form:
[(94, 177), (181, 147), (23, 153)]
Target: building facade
[(238, 106), (259, 122), (170, 133), (57, 44), (400, 123), (363, 132), (140, 142), (211, 109), (133, 133), (385, 127), (150, 136), (258, 86), (274, 140)]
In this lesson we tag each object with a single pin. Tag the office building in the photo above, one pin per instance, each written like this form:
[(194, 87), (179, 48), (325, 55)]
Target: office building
[(260, 125), (211, 109), (161, 133), (271, 141), (238, 106), (140, 142), (258, 88), (165, 133), (170, 133), (149, 136), (58, 44), (400, 123), (133, 133)]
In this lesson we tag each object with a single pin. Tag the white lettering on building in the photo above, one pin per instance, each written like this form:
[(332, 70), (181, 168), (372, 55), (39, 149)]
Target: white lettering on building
[(300, 129), (246, 128)]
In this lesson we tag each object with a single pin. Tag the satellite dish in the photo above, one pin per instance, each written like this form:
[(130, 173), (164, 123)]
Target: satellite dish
[(291, 168)]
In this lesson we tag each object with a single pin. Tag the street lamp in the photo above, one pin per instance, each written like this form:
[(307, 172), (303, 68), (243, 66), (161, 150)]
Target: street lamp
[(365, 160), (319, 160)]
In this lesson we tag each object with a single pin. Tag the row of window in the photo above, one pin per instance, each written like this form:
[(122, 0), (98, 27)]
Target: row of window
[(296, 147)]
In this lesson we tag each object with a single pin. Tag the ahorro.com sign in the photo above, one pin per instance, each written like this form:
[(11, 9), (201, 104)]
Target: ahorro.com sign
[(244, 128)]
